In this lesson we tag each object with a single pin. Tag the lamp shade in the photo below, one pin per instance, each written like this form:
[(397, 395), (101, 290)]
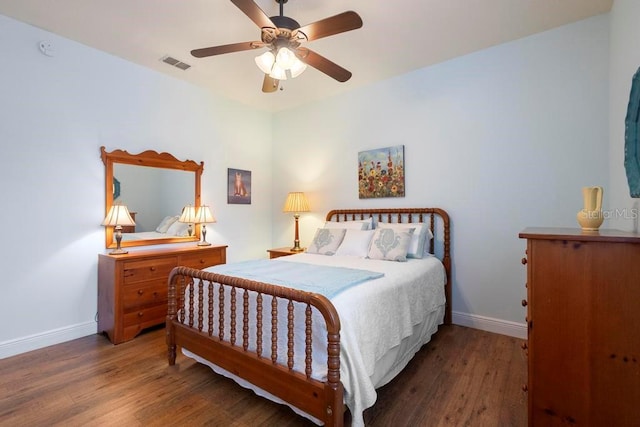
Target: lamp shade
[(277, 72), (118, 215), (297, 68), (265, 62), (188, 215), (204, 215), (296, 202)]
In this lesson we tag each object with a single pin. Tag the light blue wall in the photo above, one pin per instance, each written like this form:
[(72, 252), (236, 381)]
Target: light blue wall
[(56, 113), (502, 139), (625, 60)]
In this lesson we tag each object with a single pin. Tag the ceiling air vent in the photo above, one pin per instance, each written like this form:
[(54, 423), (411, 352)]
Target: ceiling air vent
[(176, 63)]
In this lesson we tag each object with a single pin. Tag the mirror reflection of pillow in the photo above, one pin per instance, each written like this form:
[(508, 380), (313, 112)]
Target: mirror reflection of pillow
[(166, 223), (178, 229)]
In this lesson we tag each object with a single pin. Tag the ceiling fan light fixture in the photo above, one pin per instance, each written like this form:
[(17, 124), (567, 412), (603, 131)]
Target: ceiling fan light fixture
[(297, 68), (265, 62), (285, 58), (277, 72)]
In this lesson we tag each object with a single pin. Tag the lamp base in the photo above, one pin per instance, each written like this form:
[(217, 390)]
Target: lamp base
[(118, 251), (204, 244), (296, 245)]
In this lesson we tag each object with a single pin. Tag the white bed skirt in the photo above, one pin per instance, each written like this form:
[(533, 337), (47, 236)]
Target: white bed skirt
[(386, 368)]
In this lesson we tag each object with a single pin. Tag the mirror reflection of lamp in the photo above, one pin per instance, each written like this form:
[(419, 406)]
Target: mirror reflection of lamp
[(188, 217), (204, 217), (118, 216)]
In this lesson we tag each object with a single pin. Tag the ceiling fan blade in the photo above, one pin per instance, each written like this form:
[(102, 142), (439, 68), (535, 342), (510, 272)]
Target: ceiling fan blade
[(254, 13), (227, 48), (340, 23), (269, 84), (321, 63)]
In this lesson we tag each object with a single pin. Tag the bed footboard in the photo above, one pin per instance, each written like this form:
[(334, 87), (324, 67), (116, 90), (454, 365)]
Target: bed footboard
[(220, 318)]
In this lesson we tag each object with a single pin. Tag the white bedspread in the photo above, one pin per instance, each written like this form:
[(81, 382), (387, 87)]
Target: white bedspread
[(379, 318)]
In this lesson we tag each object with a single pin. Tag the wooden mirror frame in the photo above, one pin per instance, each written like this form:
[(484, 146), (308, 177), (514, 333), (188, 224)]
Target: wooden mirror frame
[(147, 158)]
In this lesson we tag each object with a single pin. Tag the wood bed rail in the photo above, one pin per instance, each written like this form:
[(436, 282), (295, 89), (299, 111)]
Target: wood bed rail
[(412, 215), (321, 399)]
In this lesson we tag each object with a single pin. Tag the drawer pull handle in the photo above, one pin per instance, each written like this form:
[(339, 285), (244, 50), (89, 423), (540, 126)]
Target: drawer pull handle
[(201, 261), (524, 302), (525, 388), (524, 260), (140, 314), (524, 345), (153, 268), (140, 292)]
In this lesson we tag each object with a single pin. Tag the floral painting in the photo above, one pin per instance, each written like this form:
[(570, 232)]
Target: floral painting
[(381, 172)]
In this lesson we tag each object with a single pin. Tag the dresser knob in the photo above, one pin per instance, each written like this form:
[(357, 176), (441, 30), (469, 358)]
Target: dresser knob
[(524, 345), (525, 388), (140, 292), (201, 261), (524, 260), (524, 303), (140, 314)]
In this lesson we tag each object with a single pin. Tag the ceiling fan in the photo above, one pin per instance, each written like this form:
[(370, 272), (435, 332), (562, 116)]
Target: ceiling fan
[(283, 37)]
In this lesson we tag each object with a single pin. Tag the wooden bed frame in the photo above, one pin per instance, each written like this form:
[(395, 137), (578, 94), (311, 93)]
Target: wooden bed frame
[(322, 400)]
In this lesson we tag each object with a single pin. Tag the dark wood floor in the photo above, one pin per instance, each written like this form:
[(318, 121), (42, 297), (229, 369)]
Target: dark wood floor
[(463, 377)]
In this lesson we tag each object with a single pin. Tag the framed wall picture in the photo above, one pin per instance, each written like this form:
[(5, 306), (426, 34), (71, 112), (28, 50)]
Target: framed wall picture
[(381, 172), (238, 187)]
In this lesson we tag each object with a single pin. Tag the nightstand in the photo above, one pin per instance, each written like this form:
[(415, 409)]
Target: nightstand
[(278, 252)]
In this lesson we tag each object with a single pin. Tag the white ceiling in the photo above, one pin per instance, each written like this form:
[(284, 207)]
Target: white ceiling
[(398, 36)]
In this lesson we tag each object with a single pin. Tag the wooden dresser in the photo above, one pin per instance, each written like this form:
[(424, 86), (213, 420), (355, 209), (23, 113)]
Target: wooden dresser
[(583, 316), (132, 288)]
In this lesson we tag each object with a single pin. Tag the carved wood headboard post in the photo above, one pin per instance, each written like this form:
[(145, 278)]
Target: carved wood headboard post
[(407, 215)]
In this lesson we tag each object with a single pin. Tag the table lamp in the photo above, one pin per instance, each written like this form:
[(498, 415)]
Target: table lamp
[(296, 202), (118, 216), (204, 217)]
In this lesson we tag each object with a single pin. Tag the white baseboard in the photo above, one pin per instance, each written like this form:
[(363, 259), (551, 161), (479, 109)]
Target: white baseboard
[(57, 336), (45, 339), (504, 327)]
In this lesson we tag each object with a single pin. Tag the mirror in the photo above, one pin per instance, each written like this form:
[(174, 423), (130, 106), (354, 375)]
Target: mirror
[(153, 186)]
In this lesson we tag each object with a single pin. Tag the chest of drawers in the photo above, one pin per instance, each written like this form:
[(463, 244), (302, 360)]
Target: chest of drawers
[(132, 288), (583, 291)]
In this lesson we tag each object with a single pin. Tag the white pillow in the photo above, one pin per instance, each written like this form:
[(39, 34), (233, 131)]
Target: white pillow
[(326, 241), (418, 239), (166, 223), (178, 229), (356, 243), (390, 244), (357, 225)]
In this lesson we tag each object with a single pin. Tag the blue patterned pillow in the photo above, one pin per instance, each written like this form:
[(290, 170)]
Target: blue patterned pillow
[(390, 244), (326, 241)]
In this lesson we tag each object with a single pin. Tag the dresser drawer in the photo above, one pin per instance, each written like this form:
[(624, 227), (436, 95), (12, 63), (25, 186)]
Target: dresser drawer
[(144, 317), (145, 270), (201, 260), (145, 293)]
